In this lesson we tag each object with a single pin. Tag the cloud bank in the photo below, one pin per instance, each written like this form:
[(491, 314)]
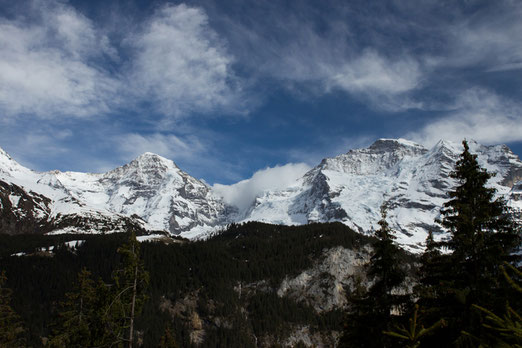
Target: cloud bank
[(56, 62), (243, 193), (180, 65), (47, 64), (478, 114), (167, 145)]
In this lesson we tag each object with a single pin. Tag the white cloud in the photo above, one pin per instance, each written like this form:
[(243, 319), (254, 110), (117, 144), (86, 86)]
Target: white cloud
[(328, 146), (181, 64), (479, 115), (45, 66), (243, 193), (292, 49), (489, 39), (371, 72), (166, 145), (54, 62)]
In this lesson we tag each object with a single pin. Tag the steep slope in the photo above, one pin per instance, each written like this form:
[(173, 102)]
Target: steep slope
[(150, 192), (155, 189), (413, 180)]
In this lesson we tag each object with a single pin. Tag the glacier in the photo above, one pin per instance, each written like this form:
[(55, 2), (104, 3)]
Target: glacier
[(153, 193)]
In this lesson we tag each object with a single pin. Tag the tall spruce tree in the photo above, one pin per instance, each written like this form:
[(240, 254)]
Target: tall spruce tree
[(82, 322), (74, 327), (482, 237), (128, 294), (11, 328), (375, 311)]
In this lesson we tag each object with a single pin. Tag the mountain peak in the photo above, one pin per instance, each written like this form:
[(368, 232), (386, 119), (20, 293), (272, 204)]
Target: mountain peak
[(400, 142), (384, 145), (147, 155), (150, 159), (4, 154)]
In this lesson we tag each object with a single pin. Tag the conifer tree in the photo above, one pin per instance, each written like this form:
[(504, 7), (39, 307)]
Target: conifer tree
[(415, 331), (374, 311), (482, 237), (82, 322), (129, 294), (74, 329), (11, 328), (386, 269), (505, 330), (482, 233)]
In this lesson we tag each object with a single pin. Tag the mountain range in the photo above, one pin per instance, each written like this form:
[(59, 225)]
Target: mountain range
[(152, 193)]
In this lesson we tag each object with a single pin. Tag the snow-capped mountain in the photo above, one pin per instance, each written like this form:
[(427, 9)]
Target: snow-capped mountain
[(152, 193), (413, 180)]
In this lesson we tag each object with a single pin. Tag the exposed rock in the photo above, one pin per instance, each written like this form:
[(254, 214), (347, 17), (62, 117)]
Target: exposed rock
[(323, 286)]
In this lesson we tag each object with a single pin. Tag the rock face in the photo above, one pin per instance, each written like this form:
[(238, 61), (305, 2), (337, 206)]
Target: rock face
[(152, 192), (413, 180), (323, 286)]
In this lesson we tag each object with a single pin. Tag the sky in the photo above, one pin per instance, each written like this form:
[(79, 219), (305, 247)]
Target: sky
[(232, 90)]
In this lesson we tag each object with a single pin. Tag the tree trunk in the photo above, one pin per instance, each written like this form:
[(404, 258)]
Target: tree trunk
[(133, 304)]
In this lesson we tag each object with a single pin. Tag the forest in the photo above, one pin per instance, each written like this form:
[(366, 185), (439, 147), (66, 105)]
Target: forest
[(111, 291)]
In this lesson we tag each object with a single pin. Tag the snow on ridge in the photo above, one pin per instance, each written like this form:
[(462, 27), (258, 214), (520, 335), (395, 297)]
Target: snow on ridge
[(414, 181), (349, 188)]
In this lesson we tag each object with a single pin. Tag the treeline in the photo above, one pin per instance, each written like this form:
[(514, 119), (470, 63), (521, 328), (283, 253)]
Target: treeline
[(206, 270), (463, 291)]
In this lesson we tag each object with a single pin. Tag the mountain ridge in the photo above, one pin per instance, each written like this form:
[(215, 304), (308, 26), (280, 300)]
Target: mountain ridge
[(151, 192)]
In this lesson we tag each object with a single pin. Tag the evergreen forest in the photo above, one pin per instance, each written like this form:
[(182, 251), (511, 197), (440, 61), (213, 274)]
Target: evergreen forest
[(112, 291)]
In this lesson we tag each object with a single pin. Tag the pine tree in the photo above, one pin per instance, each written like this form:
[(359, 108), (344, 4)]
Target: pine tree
[(75, 319), (482, 237), (415, 331), (505, 330), (387, 270), (129, 294), (81, 322), (482, 233), (374, 311), (11, 328)]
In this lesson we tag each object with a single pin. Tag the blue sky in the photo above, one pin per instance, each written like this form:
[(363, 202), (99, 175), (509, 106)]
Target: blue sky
[(229, 88)]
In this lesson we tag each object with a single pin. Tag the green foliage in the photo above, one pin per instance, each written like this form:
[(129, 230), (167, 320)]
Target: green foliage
[(482, 237), (77, 315), (98, 315), (371, 312), (250, 254), (505, 331), (128, 294), (81, 321), (415, 332), (482, 233), (11, 328)]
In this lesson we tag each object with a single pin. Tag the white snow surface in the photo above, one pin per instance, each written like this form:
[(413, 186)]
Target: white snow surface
[(150, 187), (350, 188), (413, 180)]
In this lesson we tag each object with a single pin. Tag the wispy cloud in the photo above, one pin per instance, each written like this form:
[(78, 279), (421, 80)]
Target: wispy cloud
[(47, 64), (57, 62), (315, 51), (243, 193), (181, 65), (489, 39), (170, 146), (477, 114)]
